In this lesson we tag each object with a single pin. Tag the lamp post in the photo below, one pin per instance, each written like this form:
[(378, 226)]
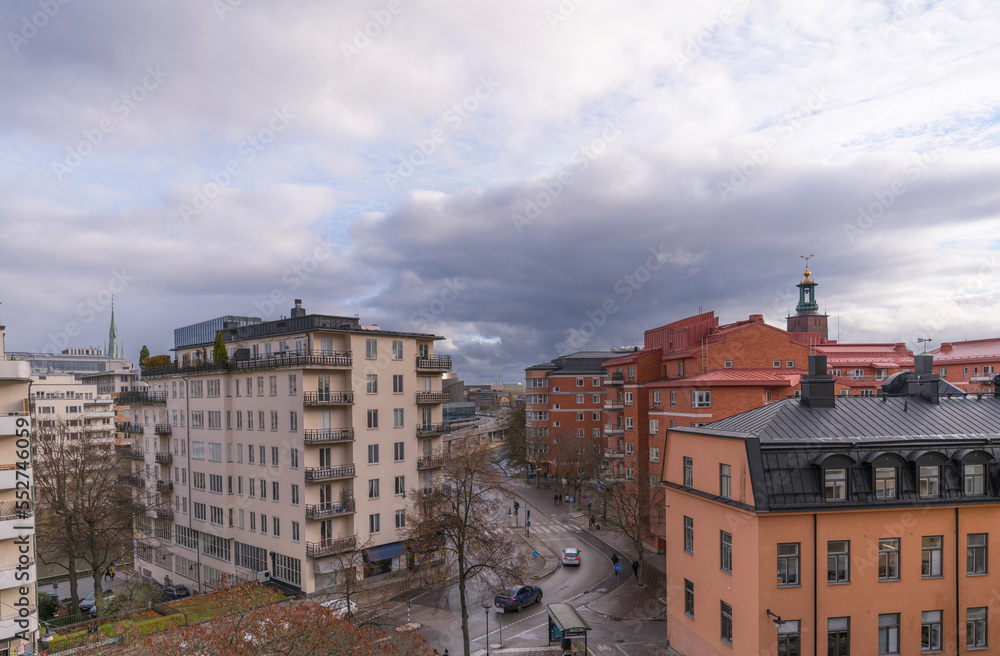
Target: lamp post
[(486, 609)]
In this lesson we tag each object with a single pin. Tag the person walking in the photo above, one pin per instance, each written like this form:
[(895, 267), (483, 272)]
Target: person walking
[(112, 569), (635, 568), (614, 559), (107, 573)]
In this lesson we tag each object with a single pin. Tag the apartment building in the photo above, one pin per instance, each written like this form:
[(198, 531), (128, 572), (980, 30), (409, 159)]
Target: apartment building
[(308, 444), (564, 399), (18, 611), (829, 524), (64, 405), (970, 365)]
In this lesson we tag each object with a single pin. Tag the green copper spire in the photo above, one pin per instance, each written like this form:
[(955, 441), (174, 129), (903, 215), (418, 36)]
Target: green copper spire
[(114, 350)]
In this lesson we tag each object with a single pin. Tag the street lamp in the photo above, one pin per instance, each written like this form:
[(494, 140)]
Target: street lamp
[(486, 609), (777, 619)]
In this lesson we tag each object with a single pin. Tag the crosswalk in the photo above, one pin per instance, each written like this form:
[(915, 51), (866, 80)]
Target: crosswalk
[(563, 525)]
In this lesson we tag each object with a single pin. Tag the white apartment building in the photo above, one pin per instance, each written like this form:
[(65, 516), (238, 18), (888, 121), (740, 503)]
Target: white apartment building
[(73, 407), (306, 445), (17, 524)]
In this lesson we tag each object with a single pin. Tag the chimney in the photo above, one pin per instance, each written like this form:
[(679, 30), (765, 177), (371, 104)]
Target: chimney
[(817, 386), (298, 310), (924, 383)]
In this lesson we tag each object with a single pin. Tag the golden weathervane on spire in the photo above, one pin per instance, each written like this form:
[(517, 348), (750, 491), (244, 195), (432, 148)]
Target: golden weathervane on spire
[(807, 272)]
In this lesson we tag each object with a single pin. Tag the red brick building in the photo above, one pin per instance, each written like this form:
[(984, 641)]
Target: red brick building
[(969, 365)]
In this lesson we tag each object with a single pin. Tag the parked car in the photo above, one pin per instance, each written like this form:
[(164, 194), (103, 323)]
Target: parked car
[(340, 606), (179, 591), (88, 604), (571, 556), (517, 598)]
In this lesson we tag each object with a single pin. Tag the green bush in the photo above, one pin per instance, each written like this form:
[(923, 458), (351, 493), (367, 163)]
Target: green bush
[(47, 607)]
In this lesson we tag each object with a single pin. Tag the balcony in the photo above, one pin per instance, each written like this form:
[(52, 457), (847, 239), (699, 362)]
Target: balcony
[(614, 453), (428, 462), (134, 481), (128, 427), (433, 429), (164, 457), (325, 510), (611, 430), (328, 398), (328, 359), (162, 429), (614, 406), (330, 546), (615, 380), (328, 435), (439, 363), (427, 398), (164, 513), (141, 398), (130, 453), (164, 486), (99, 414), (329, 473)]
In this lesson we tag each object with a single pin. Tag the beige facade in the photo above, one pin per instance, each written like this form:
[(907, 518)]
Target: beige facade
[(305, 447), (18, 613), (73, 408)]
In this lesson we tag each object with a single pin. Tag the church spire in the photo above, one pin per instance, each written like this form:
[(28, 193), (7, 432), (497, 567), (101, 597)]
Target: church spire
[(114, 350), (807, 318)]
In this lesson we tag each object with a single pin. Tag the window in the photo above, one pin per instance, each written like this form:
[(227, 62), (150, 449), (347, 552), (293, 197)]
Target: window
[(975, 627), (293, 384), (680, 368), (579, 399), (656, 398), (295, 531), (776, 364), (789, 638), (838, 561), (726, 633), (397, 349), (371, 349), (263, 455), (215, 518), (397, 383), (931, 556), (976, 550), (835, 484), (930, 630), (293, 421), (293, 458), (374, 522), (214, 483), (197, 419), (631, 373), (397, 417), (788, 564), (838, 636), (628, 398), (373, 419), (789, 363), (654, 454), (373, 489), (930, 481), (274, 490), (654, 426), (974, 479), (888, 633), (295, 494), (276, 526), (198, 480), (725, 481), (272, 385), (885, 482), (400, 518), (888, 559), (689, 535), (274, 420), (199, 510), (688, 472), (399, 486), (596, 398), (263, 489), (260, 386), (673, 398), (373, 454), (398, 451), (371, 383), (728, 364), (263, 524), (689, 598), (628, 423), (726, 552), (579, 416), (701, 399)]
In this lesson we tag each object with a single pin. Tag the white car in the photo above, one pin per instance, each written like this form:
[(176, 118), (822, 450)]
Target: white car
[(340, 606), (571, 556)]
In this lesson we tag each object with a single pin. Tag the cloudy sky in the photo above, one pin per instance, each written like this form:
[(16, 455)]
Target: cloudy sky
[(524, 177)]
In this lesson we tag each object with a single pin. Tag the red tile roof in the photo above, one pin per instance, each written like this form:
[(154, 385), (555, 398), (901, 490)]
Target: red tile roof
[(983, 349), (736, 377)]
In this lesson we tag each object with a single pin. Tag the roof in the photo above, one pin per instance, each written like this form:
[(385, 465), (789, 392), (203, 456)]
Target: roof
[(986, 349), (736, 377), (581, 362)]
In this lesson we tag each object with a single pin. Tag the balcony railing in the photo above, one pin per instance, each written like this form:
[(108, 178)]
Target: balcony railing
[(164, 513), (428, 462), (614, 380), (611, 430), (328, 398), (614, 453), (269, 361), (327, 435), (162, 429), (329, 473), (135, 481), (131, 453), (438, 363), (330, 546), (15, 510), (141, 398), (433, 429), (164, 486), (164, 457), (614, 406), (324, 510), (128, 427), (433, 397)]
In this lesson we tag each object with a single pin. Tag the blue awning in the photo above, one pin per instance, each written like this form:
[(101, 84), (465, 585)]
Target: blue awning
[(385, 551)]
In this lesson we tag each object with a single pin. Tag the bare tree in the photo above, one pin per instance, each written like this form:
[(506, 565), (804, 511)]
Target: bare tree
[(575, 458), (632, 508), (85, 506), (457, 522), (514, 452)]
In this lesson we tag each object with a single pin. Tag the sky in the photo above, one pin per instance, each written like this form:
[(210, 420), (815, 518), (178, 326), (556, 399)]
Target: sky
[(525, 178)]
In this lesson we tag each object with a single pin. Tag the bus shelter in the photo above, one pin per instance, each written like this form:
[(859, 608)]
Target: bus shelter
[(568, 629)]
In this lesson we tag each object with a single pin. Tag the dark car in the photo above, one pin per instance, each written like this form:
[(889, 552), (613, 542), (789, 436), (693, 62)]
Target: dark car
[(172, 592), (88, 604), (517, 598)]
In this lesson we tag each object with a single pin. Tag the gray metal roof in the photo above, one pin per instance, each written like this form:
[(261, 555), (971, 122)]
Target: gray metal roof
[(582, 362)]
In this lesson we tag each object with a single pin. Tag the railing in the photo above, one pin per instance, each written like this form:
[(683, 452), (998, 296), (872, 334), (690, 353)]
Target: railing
[(433, 429), (323, 510), (164, 513), (164, 486), (614, 380), (614, 453), (164, 457), (428, 462), (15, 510), (610, 430), (329, 473), (128, 427), (162, 429), (433, 397), (438, 363), (326, 435), (130, 453), (271, 361), (135, 481), (330, 546), (327, 398), (141, 398), (614, 406)]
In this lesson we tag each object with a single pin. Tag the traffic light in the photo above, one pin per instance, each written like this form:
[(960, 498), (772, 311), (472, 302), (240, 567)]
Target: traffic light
[(527, 514), (517, 505)]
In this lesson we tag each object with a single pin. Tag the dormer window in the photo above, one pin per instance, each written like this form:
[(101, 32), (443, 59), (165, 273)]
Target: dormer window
[(974, 477), (835, 484), (885, 483), (930, 480)]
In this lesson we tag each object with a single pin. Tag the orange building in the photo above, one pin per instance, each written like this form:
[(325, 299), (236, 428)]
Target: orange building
[(837, 525), (969, 365)]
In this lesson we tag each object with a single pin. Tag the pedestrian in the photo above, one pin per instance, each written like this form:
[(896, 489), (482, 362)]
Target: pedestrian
[(436, 653), (555, 499), (107, 573), (614, 559), (112, 572), (635, 568)]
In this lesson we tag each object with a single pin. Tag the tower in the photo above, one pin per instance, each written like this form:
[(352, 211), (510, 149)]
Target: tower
[(114, 350), (807, 318)]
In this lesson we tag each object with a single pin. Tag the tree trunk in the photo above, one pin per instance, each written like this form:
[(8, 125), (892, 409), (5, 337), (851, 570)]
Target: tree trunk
[(74, 596), (465, 608)]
